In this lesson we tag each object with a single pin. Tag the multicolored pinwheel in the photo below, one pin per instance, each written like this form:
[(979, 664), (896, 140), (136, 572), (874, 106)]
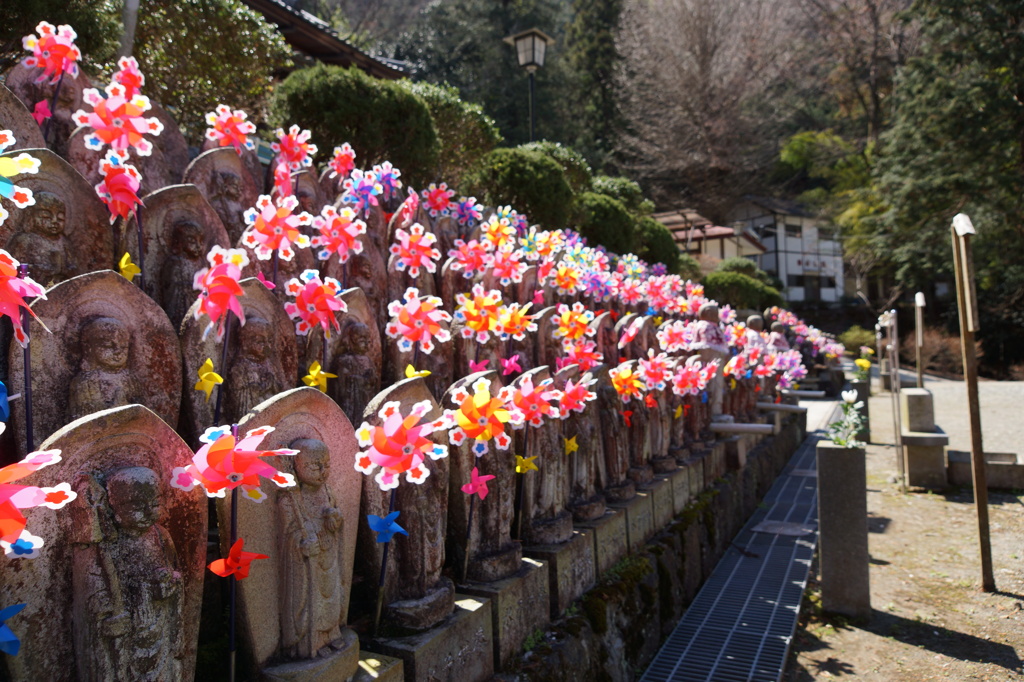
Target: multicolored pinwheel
[(11, 167), (438, 199), (342, 162), (399, 445), (480, 417), (387, 177), (531, 402), (120, 186), (582, 352), (507, 265), (627, 383), (129, 76), (573, 322), (275, 228), (230, 128), (467, 212), (361, 190), (497, 232), (515, 321), (339, 233), (116, 120), (220, 289), (414, 250), (316, 302), (294, 148), (13, 290), (469, 257), (654, 370), (568, 279), (416, 320), (576, 396), (15, 540), (53, 50), (478, 312)]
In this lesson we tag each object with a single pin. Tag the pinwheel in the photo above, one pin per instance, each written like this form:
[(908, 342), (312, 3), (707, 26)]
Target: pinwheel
[(9, 642), (5, 406), (224, 463), (630, 265), (414, 250), (11, 167), (549, 243), (631, 291), (631, 331), (570, 445), (575, 397), (498, 232), (361, 190), (116, 120), (530, 402), (53, 50), (120, 186), (13, 290), (385, 527), (515, 321), (573, 322), (475, 366), (467, 212), (469, 257), (409, 208), (399, 445), (129, 76), (688, 378), (208, 379), (387, 177), (507, 265), (316, 302), (726, 314), (411, 372), (15, 540), (220, 289), (282, 181), (318, 377), (627, 383), (674, 336), (237, 563), (41, 111), (339, 233), (480, 417), (230, 128), (524, 464), (654, 370), (477, 484), (416, 320), (275, 228), (510, 365), (568, 279), (438, 199), (294, 148), (478, 312), (582, 352), (342, 162)]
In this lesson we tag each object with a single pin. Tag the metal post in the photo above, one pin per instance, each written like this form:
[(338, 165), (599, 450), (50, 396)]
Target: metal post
[(531, 104), (919, 323), (894, 392)]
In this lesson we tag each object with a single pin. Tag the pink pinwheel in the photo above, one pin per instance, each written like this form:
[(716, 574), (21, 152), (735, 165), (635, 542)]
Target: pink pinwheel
[(531, 402), (16, 541), (417, 320), (229, 128), (117, 120), (275, 228), (573, 323), (399, 445), (631, 291), (339, 233), (582, 352), (120, 184), (224, 463), (470, 258), (414, 250), (294, 148), (654, 370), (477, 484), (387, 176), (627, 383), (361, 190), (631, 331), (568, 279), (507, 266), (674, 336), (54, 51), (514, 320), (510, 365), (220, 288), (129, 76), (282, 180), (576, 396), (316, 302), (478, 312), (480, 417), (41, 111), (475, 366), (467, 212), (438, 199), (13, 290), (343, 161), (409, 208), (687, 378)]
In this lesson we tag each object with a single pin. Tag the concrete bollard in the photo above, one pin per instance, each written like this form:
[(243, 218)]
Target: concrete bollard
[(843, 530), (924, 443)]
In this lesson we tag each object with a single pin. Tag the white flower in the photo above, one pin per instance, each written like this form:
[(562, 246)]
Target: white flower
[(850, 396)]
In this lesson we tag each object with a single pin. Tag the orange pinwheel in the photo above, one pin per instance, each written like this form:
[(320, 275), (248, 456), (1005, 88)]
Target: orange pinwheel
[(16, 541), (627, 383), (573, 323), (478, 312), (399, 445), (237, 562), (480, 417)]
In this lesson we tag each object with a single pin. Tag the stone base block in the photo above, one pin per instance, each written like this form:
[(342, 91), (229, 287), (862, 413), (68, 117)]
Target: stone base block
[(663, 465), (459, 649), (610, 538), (680, 482), (379, 668), (926, 466), (663, 507), (696, 468), (519, 605), (1002, 470), (714, 463), (736, 449), (341, 664), (570, 569), (639, 519)]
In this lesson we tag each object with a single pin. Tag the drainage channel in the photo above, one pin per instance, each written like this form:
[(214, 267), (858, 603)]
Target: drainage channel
[(740, 625)]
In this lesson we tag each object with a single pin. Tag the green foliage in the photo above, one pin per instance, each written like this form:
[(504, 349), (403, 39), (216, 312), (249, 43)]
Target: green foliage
[(747, 267), (97, 23), (196, 54), (383, 120), (689, 267), (605, 221), (656, 244), (625, 190), (529, 181), (576, 169), (855, 337), (465, 133), (740, 291)]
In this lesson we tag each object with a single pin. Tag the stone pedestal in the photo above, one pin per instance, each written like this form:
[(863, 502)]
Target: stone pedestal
[(924, 444), (663, 507), (519, 605), (339, 665), (736, 448), (696, 468), (863, 389), (714, 463), (639, 519), (379, 668), (459, 649), (917, 411), (843, 530), (680, 481), (610, 538), (571, 570)]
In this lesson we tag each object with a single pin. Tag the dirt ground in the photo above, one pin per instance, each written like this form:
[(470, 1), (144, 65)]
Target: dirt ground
[(930, 619)]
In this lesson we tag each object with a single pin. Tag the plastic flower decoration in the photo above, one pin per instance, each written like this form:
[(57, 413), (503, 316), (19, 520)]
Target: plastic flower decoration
[(631, 291), (467, 212), (438, 199), (230, 128), (576, 396), (478, 312), (631, 331), (417, 320), (470, 257), (477, 484), (673, 336), (316, 302), (688, 378), (342, 162), (224, 463), (220, 289), (568, 279), (237, 562), (573, 323), (53, 50), (497, 232), (480, 417), (530, 402), (129, 76), (339, 233), (275, 228), (582, 352), (11, 167), (13, 290), (409, 208), (399, 445), (628, 384), (16, 541), (120, 186), (387, 176), (507, 266), (294, 147), (414, 250), (514, 320), (116, 120), (655, 371), (361, 190)]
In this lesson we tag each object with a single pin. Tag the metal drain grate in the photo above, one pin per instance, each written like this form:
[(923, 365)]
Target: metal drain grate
[(741, 623)]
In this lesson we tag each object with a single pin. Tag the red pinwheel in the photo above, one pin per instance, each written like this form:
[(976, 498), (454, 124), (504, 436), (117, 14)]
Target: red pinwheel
[(237, 562), (399, 445), (626, 382), (477, 484), (293, 147), (417, 320), (13, 290), (654, 370), (117, 120), (220, 288), (480, 417), (673, 336), (120, 184), (532, 402), (343, 161), (414, 250), (339, 233), (478, 312), (514, 320), (582, 352), (54, 51), (275, 228), (230, 128), (129, 76), (41, 111), (224, 463), (507, 265), (576, 396), (316, 302), (438, 199), (470, 257), (16, 541)]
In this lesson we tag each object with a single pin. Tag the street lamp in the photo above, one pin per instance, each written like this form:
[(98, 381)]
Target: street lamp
[(531, 46)]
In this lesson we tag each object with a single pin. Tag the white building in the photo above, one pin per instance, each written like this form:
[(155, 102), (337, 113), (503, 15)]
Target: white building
[(806, 256)]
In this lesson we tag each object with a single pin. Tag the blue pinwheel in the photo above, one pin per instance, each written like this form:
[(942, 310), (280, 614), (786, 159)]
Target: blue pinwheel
[(9, 642), (5, 406), (385, 527)]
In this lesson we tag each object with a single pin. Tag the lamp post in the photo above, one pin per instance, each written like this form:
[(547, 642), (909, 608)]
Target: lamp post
[(531, 46)]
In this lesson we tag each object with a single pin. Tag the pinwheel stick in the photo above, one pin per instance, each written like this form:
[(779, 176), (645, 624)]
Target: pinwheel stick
[(469, 532), (223, 368), (383, 573), (29, 439), (521, 488), (142, 254), (53, 108), (232, 596), (273, 277)]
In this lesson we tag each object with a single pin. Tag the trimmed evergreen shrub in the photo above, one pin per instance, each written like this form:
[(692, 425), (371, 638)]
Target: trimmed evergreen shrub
[(740, 291), (529, 181)]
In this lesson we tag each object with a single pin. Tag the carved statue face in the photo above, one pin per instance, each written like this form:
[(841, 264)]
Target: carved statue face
[(256, 340), (312, 464), (361, 269), (188, 239), (305, 198), (227, 185), (755, 322), (358, 339), (48, 215), (134, 496), (778, 327), (105, 344), (709, 313)]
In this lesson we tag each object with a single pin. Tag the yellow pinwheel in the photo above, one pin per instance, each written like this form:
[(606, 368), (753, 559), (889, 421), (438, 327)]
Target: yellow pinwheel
[(207, 378), (317, 377), (571, 445), (411, 372), (128, 268), (524, 464)]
